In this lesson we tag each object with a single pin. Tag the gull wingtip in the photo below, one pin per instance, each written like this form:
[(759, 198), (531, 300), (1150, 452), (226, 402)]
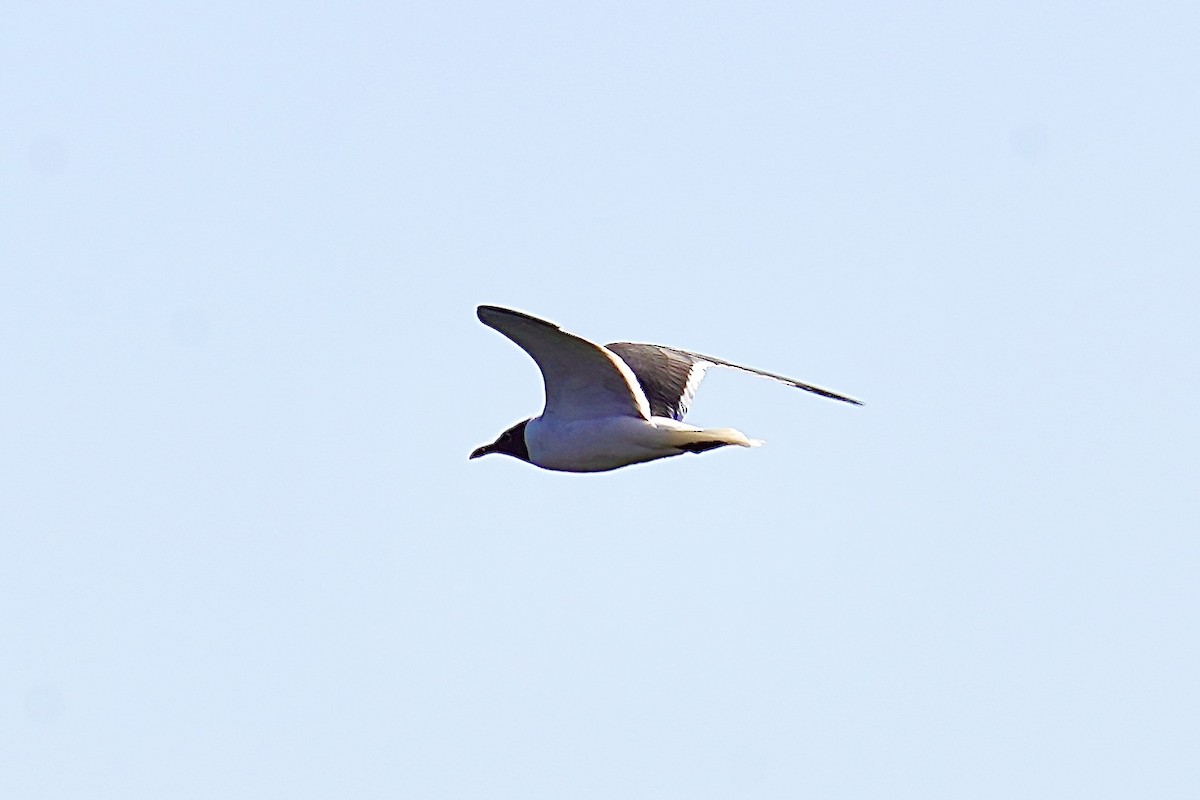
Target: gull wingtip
[(489, 315), (826, 393)]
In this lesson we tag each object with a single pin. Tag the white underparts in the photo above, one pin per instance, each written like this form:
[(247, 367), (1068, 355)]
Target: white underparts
[(604, 443)]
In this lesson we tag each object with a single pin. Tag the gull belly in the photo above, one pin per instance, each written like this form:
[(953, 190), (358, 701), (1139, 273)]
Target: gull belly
[(605, 443)]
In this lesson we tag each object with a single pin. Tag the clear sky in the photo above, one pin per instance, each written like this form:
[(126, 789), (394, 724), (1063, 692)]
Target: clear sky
[(243, 553)]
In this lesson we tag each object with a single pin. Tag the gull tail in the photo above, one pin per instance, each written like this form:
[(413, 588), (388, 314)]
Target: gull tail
[(702, 440)]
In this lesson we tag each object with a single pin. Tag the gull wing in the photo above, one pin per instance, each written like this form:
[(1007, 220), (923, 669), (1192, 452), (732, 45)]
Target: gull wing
[(670, 377), (583, 380)]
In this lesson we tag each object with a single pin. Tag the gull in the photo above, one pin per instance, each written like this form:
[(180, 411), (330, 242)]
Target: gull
[(613, 405)]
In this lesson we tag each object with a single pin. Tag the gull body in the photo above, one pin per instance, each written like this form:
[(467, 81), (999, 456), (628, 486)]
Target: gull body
[(597, 445), (610, 406)]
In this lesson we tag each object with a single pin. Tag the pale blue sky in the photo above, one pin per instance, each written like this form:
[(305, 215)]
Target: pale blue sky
[(243, 553)]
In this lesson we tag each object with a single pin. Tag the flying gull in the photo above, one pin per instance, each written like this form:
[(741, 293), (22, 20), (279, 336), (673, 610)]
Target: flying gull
[(611, 406)]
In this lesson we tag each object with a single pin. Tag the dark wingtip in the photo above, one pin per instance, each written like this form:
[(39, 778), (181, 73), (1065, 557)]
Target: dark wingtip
[(484, 311), (826, 393)]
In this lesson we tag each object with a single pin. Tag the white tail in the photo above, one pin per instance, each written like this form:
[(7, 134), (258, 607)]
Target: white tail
[(686, 437)]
